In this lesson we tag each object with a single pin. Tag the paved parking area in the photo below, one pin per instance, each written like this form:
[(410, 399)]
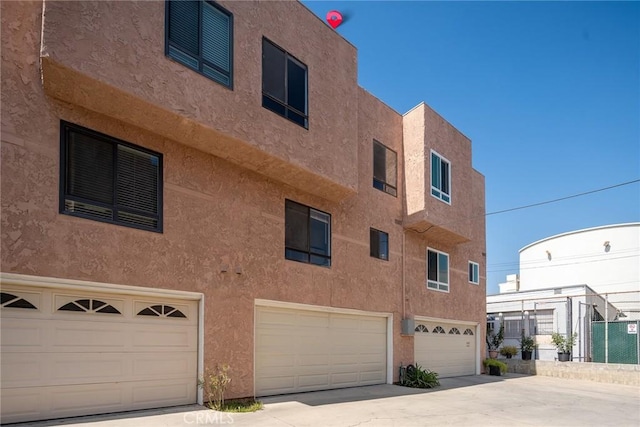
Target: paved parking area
[(513, 400)]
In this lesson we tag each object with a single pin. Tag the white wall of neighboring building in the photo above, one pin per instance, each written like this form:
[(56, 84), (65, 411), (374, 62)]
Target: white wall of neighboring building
[(568, 308), (606, 258)]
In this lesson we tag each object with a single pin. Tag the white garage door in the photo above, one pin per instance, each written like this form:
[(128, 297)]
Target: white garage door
[(302, 350), (67, 353), (448, 349)]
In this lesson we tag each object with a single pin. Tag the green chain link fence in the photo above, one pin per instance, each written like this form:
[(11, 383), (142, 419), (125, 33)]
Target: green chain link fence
[(623, 342)]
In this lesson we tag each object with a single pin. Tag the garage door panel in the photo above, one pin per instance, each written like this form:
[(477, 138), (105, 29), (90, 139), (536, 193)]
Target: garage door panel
[(85, 368), (73, 398), (179, 364), (330, 350), (313, 320), (345, 379), (276, 360), (27, 403), (310, 380), (275, 384), (309, 360), (59, 363), (164, 392), (163, 337), (17, 368), (71, 335), (21, 335), (448, 354)]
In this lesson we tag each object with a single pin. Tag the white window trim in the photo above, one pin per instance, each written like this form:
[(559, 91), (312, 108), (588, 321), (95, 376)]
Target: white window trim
[(477, 282), (438, 283), (442, 158)]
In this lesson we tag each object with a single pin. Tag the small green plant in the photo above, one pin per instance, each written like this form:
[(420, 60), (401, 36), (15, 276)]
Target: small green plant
[(562, 343), (493, 362), (494, 340), (214, 384), (527, 343), (509, 351), (417, 377), (241, 405)]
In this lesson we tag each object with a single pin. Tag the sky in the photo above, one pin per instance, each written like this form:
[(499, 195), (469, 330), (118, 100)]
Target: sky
[(548, 92)]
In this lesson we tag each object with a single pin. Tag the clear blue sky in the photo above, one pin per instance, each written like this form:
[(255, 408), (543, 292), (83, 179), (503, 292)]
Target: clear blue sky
[(548, 92)]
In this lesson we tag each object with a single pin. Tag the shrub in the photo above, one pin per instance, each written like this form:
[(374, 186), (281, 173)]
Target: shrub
[(527, 343), (494, 362), (509, 350), (417, 377), (494, 340), (564, 345), (214, 384)]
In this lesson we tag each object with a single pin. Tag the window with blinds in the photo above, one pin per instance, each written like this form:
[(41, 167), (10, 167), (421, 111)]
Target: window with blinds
[(200, 35), (109, 180)]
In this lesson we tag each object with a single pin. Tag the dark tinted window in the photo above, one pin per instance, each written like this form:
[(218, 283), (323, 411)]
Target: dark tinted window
[(284, 84), (307, 234), (109, 180), (200, 36)]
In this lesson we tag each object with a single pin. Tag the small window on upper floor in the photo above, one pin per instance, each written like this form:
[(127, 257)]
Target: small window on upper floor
[(307, 234), (437, 270), (385, 165), (108, 180), (440, 177), (474, 273), (199, 34), (379, 244), (284, 84)]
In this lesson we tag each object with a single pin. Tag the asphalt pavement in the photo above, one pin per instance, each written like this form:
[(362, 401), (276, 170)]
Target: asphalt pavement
[(481, 400)]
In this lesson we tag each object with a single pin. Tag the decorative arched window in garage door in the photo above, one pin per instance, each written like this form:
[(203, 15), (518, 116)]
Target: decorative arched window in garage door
[(89, 306), (14, 301), (161, 310), (439, 330), (421, 328)]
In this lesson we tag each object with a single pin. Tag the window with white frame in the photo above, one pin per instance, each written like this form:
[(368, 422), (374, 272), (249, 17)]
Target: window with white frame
[(437, 270), (474, 273), (440, 177)]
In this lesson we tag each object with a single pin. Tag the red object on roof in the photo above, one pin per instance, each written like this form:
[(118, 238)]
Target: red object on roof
[(334, 18)]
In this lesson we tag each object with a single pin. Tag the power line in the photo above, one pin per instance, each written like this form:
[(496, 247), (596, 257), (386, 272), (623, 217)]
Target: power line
[(562, 265), (560, 258), (563, 198)]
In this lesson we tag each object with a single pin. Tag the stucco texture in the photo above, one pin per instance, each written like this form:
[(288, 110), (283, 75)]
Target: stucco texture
[(220, 216)]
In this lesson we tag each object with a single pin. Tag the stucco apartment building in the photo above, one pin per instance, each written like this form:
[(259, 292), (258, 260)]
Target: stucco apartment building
[(192, 184)]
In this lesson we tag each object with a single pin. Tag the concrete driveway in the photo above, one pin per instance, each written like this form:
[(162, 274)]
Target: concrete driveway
[(513, 400)]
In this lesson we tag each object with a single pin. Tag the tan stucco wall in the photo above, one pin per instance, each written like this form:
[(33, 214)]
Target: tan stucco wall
[(108, 56), (217, 213), (425, 130)]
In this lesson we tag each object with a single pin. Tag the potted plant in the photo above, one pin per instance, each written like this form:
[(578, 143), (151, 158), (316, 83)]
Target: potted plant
[(494, 367), (527, 344), (564, 345), (494, 341), (509, 351)]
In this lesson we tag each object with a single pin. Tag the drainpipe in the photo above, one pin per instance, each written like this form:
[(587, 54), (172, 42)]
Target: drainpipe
[(404, 256)]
